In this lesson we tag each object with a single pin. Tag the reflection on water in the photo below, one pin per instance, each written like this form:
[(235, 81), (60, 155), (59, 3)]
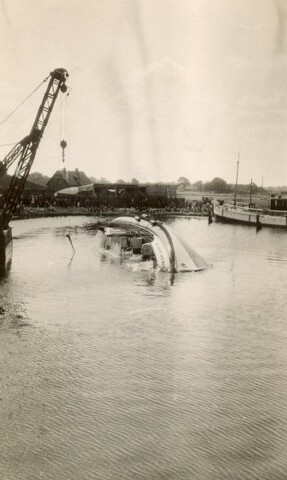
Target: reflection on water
[(109, 371)]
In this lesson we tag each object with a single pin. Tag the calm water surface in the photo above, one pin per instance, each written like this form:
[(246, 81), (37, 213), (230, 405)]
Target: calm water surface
[(109, 372)]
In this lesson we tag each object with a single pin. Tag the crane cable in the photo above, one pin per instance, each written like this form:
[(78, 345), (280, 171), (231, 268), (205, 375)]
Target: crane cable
[(23, 101), (63, 125), (63, 145)]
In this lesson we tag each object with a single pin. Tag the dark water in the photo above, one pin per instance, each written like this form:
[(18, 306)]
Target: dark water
[(112, 373)]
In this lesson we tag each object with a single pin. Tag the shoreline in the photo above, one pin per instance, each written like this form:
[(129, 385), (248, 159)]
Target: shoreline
[(31, 212)]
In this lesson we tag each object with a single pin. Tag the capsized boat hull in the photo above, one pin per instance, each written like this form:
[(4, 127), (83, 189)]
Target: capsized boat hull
[(171, 251)]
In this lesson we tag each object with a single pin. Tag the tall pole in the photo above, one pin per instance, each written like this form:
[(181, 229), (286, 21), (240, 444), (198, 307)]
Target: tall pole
[(250, 197), (236, 182)]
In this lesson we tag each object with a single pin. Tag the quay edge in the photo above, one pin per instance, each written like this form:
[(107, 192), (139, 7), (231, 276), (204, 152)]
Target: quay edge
[(6, 249)]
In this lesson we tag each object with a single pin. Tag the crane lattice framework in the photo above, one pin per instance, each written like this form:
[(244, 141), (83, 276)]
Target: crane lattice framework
[(24, 152)]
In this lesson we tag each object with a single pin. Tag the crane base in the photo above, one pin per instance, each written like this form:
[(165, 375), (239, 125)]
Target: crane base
[(6, 249)]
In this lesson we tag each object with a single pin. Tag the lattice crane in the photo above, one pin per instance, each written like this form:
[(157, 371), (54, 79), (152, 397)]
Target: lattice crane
[(24, 152)]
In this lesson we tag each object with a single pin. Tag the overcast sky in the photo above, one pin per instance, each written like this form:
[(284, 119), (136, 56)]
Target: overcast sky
[(158, 88)]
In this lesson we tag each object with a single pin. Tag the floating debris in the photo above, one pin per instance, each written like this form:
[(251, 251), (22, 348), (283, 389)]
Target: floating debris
[(70, 240)]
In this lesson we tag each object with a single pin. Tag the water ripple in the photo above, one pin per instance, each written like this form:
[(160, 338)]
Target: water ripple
[(108, 373)]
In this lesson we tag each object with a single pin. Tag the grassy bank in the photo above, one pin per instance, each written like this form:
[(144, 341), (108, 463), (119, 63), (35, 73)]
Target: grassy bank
[(260, 201)]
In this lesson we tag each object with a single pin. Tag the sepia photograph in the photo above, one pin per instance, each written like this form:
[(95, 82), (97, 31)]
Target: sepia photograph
[(143, 240)]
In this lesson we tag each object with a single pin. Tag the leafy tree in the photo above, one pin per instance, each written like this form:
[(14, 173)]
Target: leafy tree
[(198, 186), (135, 181), (104, 180), (184, 181), (120, 180), (217, 185), (99, 180), (37, 177)]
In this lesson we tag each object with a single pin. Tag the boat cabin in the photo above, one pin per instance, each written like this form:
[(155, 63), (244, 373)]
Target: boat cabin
[(117, 237), (278, 201), (127, 242)]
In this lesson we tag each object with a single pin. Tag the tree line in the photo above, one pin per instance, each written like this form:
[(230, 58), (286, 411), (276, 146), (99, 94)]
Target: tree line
[(217, 185)]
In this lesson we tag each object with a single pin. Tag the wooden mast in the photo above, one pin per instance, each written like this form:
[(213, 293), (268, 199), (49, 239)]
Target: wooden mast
[(236, 182)]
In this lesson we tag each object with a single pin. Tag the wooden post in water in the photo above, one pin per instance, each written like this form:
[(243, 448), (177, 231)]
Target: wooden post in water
[(6, 248)]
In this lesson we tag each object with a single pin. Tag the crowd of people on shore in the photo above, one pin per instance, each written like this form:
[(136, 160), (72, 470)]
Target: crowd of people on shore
[(38, 206)]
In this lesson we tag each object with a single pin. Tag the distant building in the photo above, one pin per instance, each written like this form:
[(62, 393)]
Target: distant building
[(134, 195), (125, 195), (66, 178), (160, 191)]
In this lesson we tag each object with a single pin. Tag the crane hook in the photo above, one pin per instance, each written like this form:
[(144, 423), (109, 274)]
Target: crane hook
[(63, 144)]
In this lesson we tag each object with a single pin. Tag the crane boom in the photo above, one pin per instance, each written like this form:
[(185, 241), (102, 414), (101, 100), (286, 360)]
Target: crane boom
[(24, 152)]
